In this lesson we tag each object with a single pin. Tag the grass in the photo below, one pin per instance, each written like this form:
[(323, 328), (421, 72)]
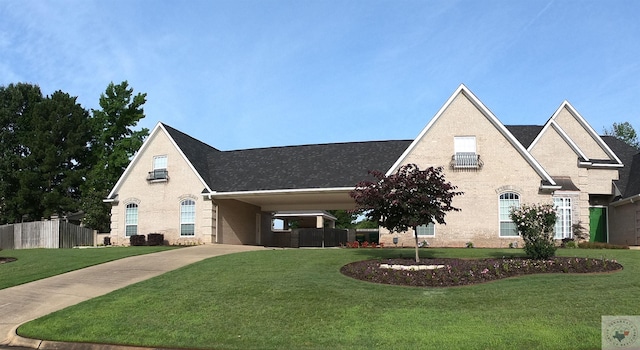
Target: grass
[(35, 264), (298, 299)]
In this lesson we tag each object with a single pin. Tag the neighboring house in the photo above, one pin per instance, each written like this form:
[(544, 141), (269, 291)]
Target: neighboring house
[(194, 193)]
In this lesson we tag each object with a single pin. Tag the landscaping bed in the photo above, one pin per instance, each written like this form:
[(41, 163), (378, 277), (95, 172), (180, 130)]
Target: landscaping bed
[(451, 272)]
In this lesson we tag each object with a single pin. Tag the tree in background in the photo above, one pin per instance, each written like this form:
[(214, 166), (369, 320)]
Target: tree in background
[(625, 132), (406, 199), (57, 158), (16, 104), (114, 143), (43, 143), (344, 218), (54, 162)]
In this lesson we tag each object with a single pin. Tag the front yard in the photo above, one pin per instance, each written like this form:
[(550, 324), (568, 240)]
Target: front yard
[(35, 264), (299, 299)]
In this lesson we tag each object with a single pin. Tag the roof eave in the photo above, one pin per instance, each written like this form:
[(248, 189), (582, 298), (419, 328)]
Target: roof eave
[(632, 199)]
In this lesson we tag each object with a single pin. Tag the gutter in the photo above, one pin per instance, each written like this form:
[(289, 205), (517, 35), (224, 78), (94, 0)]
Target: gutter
[(632, 199), (550, 187), (592, 165), (284, 191)]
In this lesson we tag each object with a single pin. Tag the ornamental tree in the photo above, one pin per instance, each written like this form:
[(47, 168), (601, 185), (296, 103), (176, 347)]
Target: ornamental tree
[(406, 199)]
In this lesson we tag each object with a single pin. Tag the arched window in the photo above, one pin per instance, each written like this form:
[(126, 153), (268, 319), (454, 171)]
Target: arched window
[(507, 201), (187, 217), (131, 219)]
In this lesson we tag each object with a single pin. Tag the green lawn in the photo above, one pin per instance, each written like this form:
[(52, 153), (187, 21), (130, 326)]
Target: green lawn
[(298, 299), (35, 264)]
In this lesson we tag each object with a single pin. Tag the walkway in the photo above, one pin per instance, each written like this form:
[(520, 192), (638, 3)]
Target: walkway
[(35, 299)]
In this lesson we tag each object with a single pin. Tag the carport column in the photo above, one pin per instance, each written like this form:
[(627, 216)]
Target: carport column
[(319, 221)]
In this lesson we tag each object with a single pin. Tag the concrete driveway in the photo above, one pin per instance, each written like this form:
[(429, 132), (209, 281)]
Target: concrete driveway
[(35, 299)]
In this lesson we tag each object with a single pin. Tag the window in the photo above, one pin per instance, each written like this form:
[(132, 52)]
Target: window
[(131, 219), (508, 200), (563, 221), (159, 169), (187, 217), (427, 230), (159, 162), (465, 152)]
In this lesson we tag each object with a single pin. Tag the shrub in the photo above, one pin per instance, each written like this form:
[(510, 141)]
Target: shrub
[(155, 239), (535, 224), (469, 244), (137, 240), (365, 244), (579, 232), (600, 245)]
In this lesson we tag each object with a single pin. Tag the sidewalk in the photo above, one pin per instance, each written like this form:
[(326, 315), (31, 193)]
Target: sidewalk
[(32, 300)]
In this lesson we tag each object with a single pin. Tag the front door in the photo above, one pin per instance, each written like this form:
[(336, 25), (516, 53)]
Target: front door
[(598, 224)]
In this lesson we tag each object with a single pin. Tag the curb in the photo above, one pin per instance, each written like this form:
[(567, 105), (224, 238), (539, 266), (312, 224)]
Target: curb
[(19, 341)]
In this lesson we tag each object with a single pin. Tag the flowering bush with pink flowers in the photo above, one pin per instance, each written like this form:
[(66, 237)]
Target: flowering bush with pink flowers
[(535, 223)]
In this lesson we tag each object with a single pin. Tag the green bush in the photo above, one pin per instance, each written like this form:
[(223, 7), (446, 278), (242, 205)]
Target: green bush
[(601, 245), (535, 224), (154, 239), (137, 240)]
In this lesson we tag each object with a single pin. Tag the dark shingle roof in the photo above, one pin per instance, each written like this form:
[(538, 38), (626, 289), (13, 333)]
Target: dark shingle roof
[(196, 151), (339, 164), (525, 134), (633, 185), (629, 175), (291, 167)]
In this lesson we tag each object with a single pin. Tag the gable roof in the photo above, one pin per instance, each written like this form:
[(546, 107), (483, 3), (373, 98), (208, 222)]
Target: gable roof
[(191, 145), (291, 167), (613, 159), (628, 182), (547, 181), (525, 134)]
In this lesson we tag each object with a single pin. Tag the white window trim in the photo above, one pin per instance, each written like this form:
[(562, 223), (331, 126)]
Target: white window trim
[(166, 162), (500, 221), (182, 222), (126, 223), (465, 152), (434, 231), (560, 211)]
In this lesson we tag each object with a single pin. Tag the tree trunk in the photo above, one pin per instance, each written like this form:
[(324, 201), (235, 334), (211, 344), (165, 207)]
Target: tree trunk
[(415, 234)]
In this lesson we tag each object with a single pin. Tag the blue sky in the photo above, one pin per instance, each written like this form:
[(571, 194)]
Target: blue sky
[(244, 74)]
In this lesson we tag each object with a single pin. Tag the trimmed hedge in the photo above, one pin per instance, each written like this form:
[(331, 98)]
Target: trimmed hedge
[(137, 240), (155, 239), (601, 245)]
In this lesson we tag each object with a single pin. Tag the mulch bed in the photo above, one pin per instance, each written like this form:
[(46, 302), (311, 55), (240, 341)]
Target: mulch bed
[(461, 272)]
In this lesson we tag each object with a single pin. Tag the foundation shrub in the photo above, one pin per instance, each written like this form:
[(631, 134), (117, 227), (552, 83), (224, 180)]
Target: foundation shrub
[(137, 240), (155, 239), (600, 245)]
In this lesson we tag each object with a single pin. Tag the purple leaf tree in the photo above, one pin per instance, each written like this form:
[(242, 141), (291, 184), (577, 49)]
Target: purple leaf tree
[(406, 199)]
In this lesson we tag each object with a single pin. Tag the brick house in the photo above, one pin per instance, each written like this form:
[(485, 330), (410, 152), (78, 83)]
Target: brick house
[(192, 192)]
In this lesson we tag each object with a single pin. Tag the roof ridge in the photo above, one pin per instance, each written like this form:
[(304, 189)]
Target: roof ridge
[(315, 144), (171, 129)]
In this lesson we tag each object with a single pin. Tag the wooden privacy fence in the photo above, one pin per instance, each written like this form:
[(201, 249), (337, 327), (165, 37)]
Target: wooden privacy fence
[(310, 237), (44, 234)]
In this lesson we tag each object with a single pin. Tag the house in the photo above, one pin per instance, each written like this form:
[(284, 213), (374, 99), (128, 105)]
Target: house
[(194, 193)]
